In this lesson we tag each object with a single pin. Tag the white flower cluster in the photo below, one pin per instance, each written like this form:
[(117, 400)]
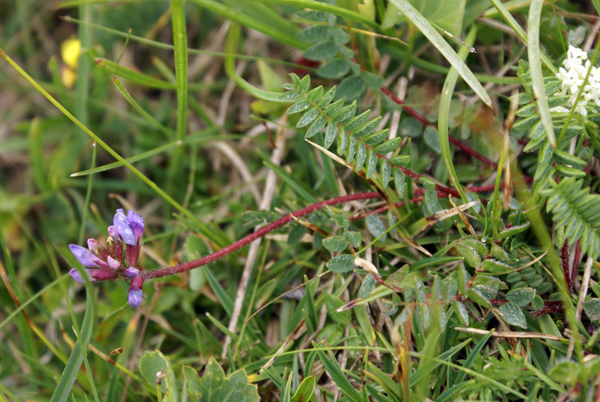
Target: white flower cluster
[(572, 76)]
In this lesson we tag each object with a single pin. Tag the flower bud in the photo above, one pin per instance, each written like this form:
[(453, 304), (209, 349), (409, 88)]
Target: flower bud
[(86, 258), (112, 263), (131, 272), (97, 249), (135, 291), (94, 275)]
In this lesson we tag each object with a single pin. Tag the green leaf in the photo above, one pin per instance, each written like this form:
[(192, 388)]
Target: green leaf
[(399, 181), (570, 172), (592, 309), (338, 376), (213, 386), (351, 88), (389, 146), (155, 362), (361, 156), (513, 315), (495, 266), (431, 33), (353, 238), (577, 210), (308, 117), (334, 108), (568, 159), (376, 137), (304, 83), (327, 98), (400, 160), (537, 302), (339, 35), (372, 80), (376, 227), (367, 128), (323, 51), (315, 33), (410, 127), (342, 142), (332, 303), (513, 231), (335, 243), (521, 297), (296, 234), (461, 312), (341, 264), (371, 163), (345, 114), (476, 245), (385, 173), (317, 126), (357, 122), (330, 133), (335, 68), (351, 149), (317, 16), (470, 255), (305, 390), (298, 107), (447, 14)]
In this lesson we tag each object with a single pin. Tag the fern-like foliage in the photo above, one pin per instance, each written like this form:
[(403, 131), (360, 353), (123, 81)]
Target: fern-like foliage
[(357, 141), (577, 212)]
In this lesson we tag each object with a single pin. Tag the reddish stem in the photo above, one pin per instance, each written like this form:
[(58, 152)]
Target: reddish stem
[(465, 148), (256, 235)]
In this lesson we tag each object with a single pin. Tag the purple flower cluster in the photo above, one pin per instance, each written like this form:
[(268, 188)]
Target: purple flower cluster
[(105, 263)]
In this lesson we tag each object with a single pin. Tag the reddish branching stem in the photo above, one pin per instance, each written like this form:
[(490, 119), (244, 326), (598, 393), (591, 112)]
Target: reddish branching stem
[(256, 235), (465, 148), (177, 269)]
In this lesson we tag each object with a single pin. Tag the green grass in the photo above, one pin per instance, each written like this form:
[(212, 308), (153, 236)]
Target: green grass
[(435, 309)]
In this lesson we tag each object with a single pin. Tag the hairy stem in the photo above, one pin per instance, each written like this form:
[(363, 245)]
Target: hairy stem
[(177, 269)]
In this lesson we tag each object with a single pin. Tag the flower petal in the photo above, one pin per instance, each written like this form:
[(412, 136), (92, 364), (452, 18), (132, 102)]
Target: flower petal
[(77, 276), (85, 257), (112, 263), (136, 223), (120, 221)]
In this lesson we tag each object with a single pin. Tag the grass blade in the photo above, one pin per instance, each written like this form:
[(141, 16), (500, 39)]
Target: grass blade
[(203, 228), (233, 15), (181, 64), (537, 78), (444, 48), (67, 379)]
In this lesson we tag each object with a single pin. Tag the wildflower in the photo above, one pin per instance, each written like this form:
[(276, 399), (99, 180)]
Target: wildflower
[(572, 76), (106, 262)]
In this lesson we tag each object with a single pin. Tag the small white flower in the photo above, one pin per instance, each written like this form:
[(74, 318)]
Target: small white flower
[(572, 76)]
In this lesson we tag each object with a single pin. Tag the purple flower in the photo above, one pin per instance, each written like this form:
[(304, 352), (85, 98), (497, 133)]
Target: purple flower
[(114, 233), (123, 227), (131, 272), (86, 258), (135, 291), (136, 223), (94, 275)]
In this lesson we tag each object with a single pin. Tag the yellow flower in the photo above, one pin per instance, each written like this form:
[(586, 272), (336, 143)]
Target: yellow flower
[(69, 51)]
